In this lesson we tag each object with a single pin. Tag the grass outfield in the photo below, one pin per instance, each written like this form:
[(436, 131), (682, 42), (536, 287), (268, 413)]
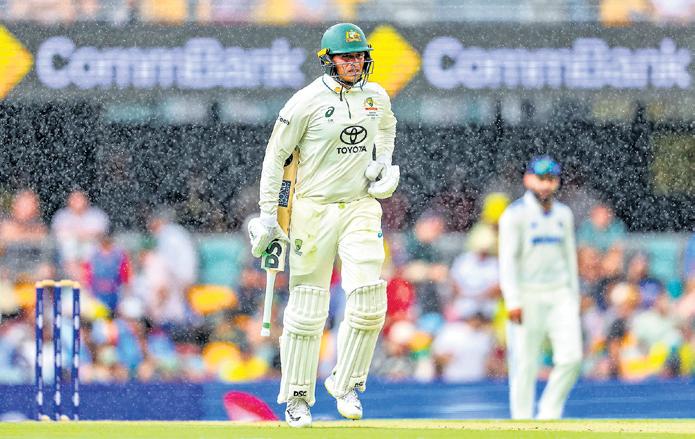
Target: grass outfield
[(379, 429)]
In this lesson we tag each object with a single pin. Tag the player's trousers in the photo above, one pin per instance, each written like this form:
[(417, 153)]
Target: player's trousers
[(319, 232), (555, 315)]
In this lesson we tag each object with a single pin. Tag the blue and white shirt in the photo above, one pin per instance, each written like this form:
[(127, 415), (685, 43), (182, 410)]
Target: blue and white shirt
[(537, 250)]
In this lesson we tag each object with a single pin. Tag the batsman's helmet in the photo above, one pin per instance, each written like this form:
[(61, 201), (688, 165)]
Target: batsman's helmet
[(344, 38)]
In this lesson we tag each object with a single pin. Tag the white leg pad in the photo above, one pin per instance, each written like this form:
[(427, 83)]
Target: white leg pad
[(365, 311), (303, 323)]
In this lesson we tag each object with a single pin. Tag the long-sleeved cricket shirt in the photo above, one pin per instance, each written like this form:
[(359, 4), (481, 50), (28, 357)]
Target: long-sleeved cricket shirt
[(335, 130), (537, 249)]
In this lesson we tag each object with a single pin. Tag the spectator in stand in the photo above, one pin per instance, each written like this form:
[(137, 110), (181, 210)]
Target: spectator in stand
[(589, 263), (611, 272), (400, 301), (25, 252), (291, 11), (640, 343), (77, 228), (623, 12), (224, 11), (251, 288), (43, 11), (426, 268), (673, 11), (393, 359), (638, 274), (463, 349), (108, 365), (164, 11), (685, 307), (117, 12), (620, 343), (176, 251), (475, 276), (494, 204), (108, 272), (16, 354), (149, 282), (24, 223), (689, 259), (602, 230), (656, 330), (248, 367)]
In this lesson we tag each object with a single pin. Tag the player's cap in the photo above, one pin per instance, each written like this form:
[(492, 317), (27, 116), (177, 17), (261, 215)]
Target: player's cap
[(543, 165)]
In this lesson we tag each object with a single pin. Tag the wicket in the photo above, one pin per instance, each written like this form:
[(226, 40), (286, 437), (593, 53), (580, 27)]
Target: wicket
[(57, 287)]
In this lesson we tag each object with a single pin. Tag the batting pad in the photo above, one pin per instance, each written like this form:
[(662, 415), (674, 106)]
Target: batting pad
[(303, 322), (364, 317)]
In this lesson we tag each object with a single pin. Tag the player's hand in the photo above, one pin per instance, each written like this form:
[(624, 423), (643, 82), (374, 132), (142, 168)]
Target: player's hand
[(515, 315), (388, 183), (376, 167), (262, 231)]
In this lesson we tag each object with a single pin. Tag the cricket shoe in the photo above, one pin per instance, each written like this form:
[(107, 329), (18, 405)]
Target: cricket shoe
[(297, 413), (349, 405)]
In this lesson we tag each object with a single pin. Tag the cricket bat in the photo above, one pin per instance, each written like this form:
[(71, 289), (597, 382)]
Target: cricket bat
[(273, 259)]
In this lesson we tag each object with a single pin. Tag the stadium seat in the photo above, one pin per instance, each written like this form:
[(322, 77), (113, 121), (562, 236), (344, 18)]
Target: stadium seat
[(221, 259)]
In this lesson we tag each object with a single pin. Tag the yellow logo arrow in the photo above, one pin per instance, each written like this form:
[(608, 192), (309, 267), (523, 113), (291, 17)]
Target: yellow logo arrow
[(396, 62), (15, 62)]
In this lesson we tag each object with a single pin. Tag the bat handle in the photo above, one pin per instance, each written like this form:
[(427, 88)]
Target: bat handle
[(268, 302)]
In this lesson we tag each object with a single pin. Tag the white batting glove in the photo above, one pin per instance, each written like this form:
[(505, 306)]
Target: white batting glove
[(376, 167), (388, 183), (262, 231)]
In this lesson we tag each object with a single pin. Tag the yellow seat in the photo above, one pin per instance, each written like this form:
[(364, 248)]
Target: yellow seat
[(207, 299), (219, 352)]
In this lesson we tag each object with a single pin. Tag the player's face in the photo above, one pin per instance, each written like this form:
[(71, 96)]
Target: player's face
[(349, 66), (544, 186)]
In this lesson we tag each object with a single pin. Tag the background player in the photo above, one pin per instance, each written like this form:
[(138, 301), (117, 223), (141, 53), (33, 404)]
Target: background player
[(538, 274), (338, 123)]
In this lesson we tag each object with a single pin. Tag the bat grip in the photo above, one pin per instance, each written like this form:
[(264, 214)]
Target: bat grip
[(268, 302)]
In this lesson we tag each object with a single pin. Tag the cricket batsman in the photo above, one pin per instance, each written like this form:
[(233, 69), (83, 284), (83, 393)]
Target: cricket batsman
[(539, 280), (344, 129)]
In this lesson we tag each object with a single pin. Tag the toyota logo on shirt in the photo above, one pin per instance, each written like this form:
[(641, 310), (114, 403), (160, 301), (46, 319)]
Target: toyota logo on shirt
[(353, 135)]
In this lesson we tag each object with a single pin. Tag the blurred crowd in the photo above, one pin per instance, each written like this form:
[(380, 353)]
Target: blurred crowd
[(160, 306), (119, 12)]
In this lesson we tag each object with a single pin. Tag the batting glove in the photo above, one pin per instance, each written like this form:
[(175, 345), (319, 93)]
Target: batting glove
[(376, 168), (262, 231), (388, 183)]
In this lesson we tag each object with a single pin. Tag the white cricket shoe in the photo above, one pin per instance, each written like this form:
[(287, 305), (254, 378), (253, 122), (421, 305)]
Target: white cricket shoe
[(297, 413), (349, 405)]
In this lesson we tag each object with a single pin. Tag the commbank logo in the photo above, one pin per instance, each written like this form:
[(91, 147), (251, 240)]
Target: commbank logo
[(353, 135), (397, 66), (15, 62)]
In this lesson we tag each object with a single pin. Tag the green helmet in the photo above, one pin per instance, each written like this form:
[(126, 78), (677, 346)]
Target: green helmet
[(344, 38)]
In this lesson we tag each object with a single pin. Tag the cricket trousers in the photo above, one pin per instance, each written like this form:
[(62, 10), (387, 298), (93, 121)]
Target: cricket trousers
[(556, 316), (319, 232)]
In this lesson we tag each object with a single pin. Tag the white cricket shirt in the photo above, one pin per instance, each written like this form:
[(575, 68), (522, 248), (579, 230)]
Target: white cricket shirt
[(537, 250), (335, 130)]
